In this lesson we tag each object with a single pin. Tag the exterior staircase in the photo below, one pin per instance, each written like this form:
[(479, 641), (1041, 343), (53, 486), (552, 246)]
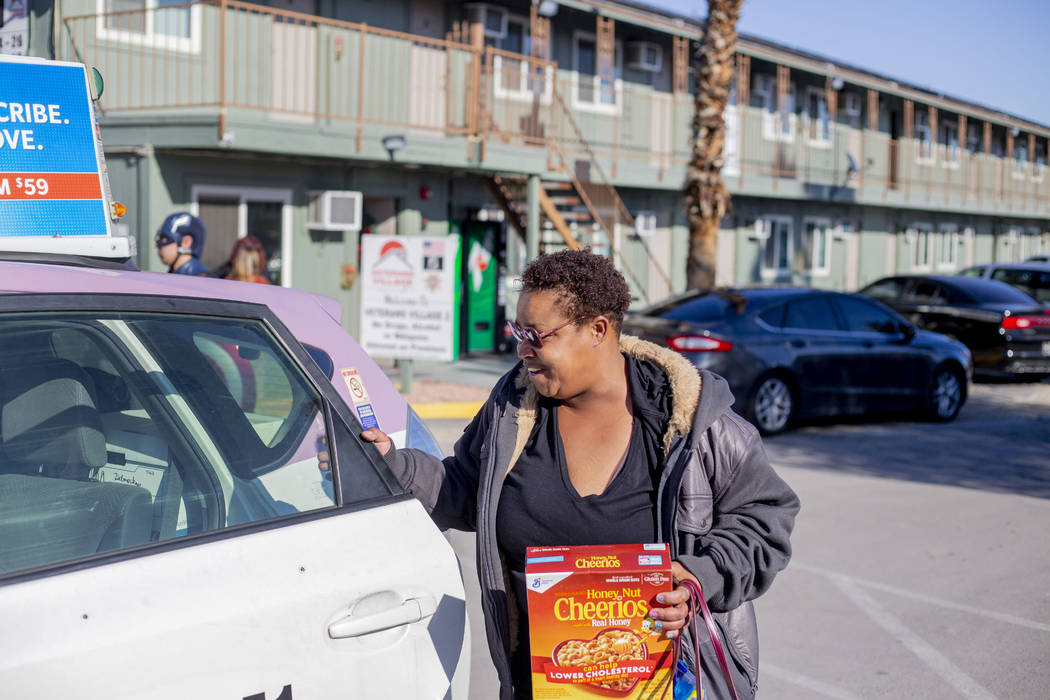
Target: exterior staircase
[(579, 209)]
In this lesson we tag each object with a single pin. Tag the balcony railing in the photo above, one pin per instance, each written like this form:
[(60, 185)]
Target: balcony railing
[(237, 60)]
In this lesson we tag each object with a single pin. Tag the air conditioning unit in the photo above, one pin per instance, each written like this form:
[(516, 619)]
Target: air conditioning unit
[(492, 18), (333, 210), (645, 55), (645, 223)]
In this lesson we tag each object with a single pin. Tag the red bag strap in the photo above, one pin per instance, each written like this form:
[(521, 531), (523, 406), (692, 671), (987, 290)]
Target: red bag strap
[(697, 602)]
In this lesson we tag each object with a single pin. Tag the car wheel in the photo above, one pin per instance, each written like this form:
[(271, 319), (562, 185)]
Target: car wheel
[(772, 405), (946, 394)]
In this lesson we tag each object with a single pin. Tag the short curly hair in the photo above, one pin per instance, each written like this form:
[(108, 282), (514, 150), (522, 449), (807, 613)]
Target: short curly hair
[(584, 284)]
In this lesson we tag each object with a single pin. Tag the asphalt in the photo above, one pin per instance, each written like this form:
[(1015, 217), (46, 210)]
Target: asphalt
[(449, 389)]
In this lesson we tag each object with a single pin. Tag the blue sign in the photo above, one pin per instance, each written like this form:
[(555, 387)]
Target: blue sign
[(50, 174)]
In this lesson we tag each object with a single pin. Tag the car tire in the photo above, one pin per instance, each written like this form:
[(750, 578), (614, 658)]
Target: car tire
[(772, 404), (946, 394)]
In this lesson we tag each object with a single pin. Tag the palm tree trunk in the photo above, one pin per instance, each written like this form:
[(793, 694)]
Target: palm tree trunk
[(706, 194)]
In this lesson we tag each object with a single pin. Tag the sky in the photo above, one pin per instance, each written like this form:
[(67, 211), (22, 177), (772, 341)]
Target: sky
[(992, 52)]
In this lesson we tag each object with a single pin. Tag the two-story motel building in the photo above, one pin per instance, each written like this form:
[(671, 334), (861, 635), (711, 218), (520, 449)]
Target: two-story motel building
[(525, 126)]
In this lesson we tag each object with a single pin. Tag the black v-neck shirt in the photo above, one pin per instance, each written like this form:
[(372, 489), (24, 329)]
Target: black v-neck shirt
[(540, 507)]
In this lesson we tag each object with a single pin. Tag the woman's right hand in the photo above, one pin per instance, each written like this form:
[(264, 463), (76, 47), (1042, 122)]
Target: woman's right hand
[(378, 438)]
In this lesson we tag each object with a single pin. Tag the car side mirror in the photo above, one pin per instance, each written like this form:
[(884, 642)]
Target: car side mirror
[(907, 331)]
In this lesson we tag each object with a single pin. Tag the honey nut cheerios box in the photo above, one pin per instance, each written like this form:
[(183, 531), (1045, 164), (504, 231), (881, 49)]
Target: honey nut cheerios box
[(590, 632)]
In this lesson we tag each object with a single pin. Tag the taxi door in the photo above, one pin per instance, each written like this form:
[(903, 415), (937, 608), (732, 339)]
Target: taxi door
[(186, 511)]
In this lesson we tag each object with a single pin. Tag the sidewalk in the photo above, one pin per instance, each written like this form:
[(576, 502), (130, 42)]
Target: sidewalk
[(451, 389)]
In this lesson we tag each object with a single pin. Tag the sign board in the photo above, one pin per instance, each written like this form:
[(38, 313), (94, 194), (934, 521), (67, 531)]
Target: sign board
[(14, 27), (409, 304), (54, 187)]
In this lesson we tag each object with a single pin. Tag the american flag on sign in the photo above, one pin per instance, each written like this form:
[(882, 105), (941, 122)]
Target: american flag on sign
[(433, 255)]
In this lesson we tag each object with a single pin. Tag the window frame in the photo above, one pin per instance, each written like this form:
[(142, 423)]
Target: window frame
[(925, 153), (951, 153), (923, 231), (823, 268), (338, 417), (597, 106), (765, 235), (823, 125), (950, 239), (149, 37), (522, 93), (773, 120)]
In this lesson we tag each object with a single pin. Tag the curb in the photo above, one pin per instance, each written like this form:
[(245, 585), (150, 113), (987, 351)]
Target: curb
[(448, 409)]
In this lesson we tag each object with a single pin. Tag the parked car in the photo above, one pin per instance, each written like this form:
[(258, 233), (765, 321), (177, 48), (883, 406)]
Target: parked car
[(1007, 331), (792, 353), (1039, 257), (183, 492), (1032, 278)]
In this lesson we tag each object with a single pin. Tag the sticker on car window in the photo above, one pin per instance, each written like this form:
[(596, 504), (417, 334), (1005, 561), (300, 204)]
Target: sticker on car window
[(359, 395)]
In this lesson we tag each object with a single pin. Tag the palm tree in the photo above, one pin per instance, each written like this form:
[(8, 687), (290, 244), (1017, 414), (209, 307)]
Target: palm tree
[(706, 194)]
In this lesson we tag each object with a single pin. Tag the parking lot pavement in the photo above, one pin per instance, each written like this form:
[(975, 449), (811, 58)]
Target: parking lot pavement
[(921, 564)]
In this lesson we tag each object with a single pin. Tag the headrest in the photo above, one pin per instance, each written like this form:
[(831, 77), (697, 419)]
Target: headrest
[(49, 420)]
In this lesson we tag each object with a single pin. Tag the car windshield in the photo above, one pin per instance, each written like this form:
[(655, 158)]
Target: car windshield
[(169, 424)]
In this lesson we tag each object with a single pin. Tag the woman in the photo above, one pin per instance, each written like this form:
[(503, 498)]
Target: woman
[(595, 438), (247, 262)]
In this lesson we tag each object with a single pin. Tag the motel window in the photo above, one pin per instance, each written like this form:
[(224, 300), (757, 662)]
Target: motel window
[(816, 246), (923, 138), (973, 138), (947, 257), (919, 236), (775, 234), (167, 24), (1040, 160), (778, 120), (1020, 156), (591, 89), (818, 121), (512, 74), (949, 140), (852, 107)]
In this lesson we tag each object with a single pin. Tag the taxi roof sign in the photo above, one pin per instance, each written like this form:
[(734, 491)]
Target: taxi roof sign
[(54, 186)]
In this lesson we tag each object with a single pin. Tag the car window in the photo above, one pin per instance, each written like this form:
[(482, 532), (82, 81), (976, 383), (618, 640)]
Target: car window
[(861, 316), (813, 314), (708, 307), (973, 271), (885, 290), (773, 317), (117, 430), (925, 291), (1034, 283)]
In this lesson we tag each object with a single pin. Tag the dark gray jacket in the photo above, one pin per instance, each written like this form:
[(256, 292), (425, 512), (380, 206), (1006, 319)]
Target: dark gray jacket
[(725, 513)]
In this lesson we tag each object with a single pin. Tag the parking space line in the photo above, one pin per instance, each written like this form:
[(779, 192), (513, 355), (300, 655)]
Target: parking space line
[(811, 684), (939, 663), (922, 598)]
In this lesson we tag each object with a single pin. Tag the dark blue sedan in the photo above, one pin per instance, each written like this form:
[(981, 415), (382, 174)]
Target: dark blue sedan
[(793, 353)]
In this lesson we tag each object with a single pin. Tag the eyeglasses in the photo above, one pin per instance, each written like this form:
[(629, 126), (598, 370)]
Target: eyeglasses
[(528, 334)]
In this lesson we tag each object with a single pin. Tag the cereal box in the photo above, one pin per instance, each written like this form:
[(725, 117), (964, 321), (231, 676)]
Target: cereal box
[(590, 631)]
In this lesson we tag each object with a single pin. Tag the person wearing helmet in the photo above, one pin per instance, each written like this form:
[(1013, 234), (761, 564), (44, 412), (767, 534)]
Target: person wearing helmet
[(180, 241)]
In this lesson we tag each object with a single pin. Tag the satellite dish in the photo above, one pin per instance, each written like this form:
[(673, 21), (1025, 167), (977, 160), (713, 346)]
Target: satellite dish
[(852, 164)]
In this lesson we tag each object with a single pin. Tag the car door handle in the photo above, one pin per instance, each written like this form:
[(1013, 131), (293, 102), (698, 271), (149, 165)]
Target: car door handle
[(798, 343), (412, 610)]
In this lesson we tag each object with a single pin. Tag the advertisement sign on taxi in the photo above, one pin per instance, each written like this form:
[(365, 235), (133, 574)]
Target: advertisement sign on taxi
[(53, 181)]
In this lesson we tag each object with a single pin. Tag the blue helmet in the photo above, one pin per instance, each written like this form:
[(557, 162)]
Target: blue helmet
[(182, 224)]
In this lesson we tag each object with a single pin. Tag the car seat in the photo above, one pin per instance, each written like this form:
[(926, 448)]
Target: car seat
[(52, 507)]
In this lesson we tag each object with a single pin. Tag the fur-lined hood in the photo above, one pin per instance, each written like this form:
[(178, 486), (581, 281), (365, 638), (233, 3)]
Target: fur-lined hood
[(682, 375)]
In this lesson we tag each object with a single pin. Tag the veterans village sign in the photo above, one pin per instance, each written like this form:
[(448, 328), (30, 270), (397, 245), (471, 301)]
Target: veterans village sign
[(53, 179), (409, 296)]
